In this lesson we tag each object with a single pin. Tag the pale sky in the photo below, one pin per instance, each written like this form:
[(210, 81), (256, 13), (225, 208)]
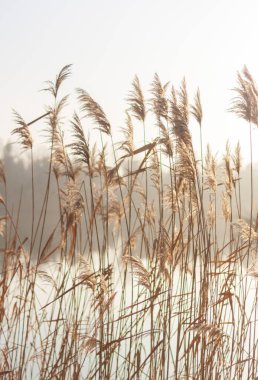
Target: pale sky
[(109, 41)]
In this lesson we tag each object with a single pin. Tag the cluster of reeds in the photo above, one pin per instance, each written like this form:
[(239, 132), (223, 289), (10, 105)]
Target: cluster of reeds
[(150, 271)]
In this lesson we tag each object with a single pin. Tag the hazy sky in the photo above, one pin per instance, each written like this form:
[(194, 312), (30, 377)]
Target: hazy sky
[(109, 41)]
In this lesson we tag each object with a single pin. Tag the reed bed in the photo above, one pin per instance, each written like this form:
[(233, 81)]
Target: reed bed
[(150, 271)]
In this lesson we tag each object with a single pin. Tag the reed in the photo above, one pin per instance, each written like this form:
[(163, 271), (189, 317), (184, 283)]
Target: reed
[(150, 270)]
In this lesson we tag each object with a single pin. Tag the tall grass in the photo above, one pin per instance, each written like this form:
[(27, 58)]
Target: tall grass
[(150, 271)]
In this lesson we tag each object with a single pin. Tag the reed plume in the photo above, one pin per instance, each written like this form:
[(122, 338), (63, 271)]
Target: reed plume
[(80, 148), (136, 101), (244, 105), (23, 132), (179, 115), (93, 110), (159, 101), (196, 108), (54, 86)]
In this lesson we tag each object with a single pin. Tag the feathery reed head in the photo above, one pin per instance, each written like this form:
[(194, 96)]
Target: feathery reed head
[(93, 110), (138, 270), (128, 144), (136, 100), (179, 115), (196, 108), (159, 100), (53, 87), (211, 171), (73, 203), (237, 159), (80, 147), (245, 104), (22, 131)]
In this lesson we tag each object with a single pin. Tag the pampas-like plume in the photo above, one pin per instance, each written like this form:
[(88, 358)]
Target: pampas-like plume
[(86, 273), (115, 211), (138, 270), (159, 101), (236, 158), (226, 208), (136, 100), (128, 144), (165, 140), (186, 165), (80, 148), (210, 169), (179, 118), (131, 242), (22, 132), (150, 214), (53, 87), (164, 251), (72, 203), (61, 161), (246, 232), (170, 198), (100, 163), (245, 104), (229, 180), (183, 102), (94, 111), (54, 119), (196, 108), (155, 170)]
